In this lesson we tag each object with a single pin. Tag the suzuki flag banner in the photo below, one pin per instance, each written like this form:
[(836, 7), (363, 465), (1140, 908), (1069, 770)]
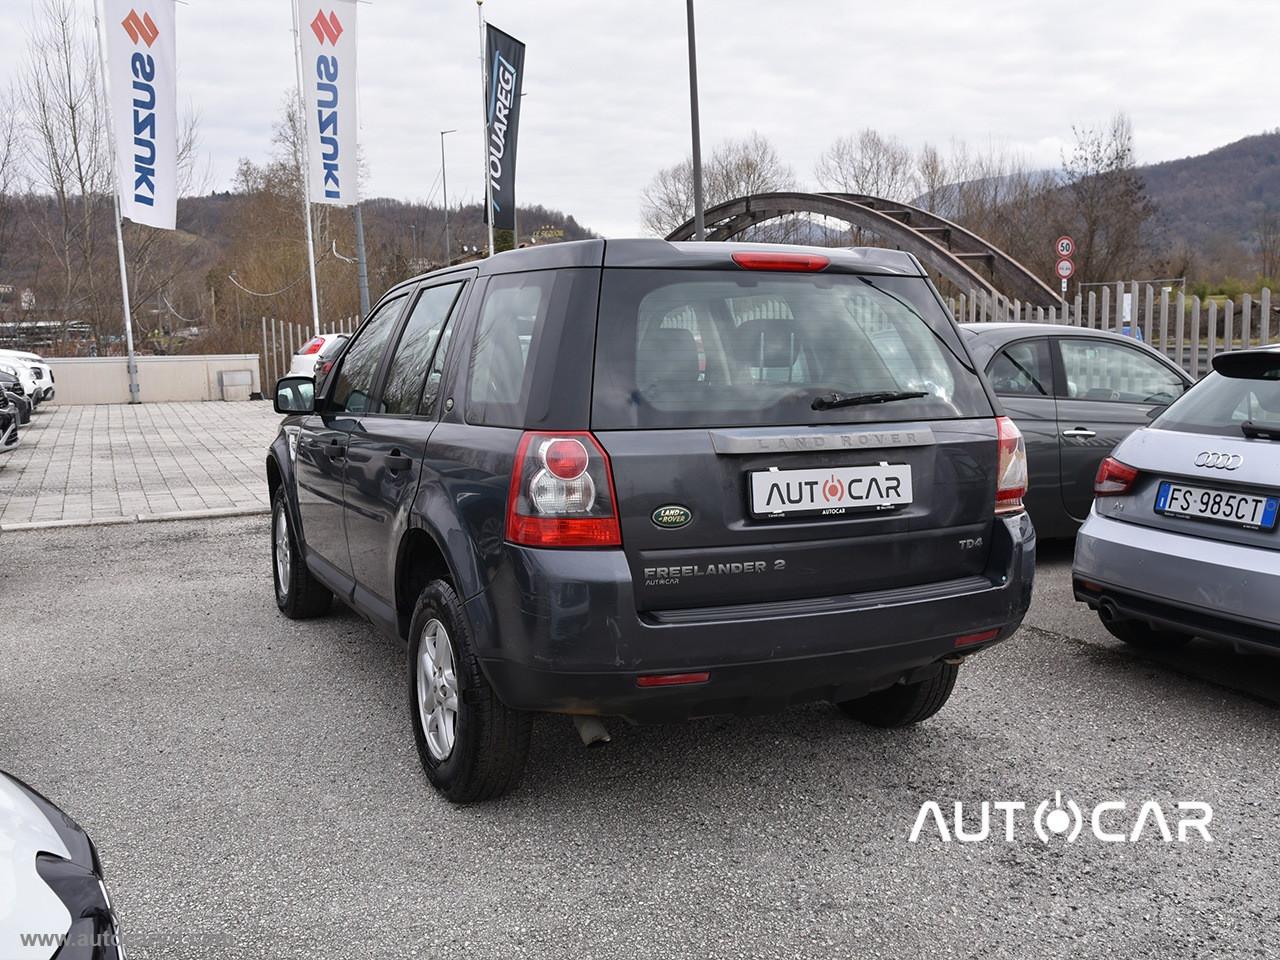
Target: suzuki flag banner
[(142, 92), (506, 73), (328, 50)]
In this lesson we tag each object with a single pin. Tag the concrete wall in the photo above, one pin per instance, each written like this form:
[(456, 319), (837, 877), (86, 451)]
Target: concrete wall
[(106, 379)]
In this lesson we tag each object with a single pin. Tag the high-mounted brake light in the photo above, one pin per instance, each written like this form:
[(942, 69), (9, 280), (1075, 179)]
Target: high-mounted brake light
[(314, 345), (672, 679), (783, 262), (562, 493), (1011, 485), (1114, 478)]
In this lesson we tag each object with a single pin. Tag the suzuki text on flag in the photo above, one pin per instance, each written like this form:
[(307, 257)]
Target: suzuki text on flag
[(328, 50), (140, 68)]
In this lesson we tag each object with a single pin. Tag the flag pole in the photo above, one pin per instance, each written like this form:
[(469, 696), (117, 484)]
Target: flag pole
[(306, 171), (484, 128), (131, 363)]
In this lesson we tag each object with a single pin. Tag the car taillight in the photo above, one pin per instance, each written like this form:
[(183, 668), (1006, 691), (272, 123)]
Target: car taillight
[(562, 493), (1114, 478), (1011, 485), (314, 345), (783, 262)]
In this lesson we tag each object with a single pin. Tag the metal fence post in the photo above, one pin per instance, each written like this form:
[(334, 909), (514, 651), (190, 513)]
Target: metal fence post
[(1264, 321), (262, 357), (1164, 320), (1213, 331), (1246, 320), (1195, 337), (1229, 337), (1147, 314), (1180, 312)]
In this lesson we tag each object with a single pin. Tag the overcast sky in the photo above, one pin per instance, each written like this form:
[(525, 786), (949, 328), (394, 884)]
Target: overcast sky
[(607, 97)]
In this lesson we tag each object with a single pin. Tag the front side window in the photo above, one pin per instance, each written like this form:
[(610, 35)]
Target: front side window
[(352, 393), (678, 348), (1021, 370), (403, 386), (1099, 370)]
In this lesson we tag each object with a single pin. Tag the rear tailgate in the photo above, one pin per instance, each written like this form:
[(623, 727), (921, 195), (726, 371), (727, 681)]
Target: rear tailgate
[(692, 538)]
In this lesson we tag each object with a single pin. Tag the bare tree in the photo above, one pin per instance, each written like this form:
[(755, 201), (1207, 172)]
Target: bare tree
[(869, 163), (734, 169), (1109, 200), (67, 158), (1268, 233)]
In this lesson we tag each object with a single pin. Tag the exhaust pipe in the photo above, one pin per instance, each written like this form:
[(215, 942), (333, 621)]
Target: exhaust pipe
[(1107, 610), (591, 730)]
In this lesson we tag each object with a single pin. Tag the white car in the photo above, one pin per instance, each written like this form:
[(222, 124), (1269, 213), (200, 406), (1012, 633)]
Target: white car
[(52, 898), (26, 376), (321, 346), (42, 372)]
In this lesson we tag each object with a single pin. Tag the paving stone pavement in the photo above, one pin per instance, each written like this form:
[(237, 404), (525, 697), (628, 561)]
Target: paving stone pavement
[(121, 462)]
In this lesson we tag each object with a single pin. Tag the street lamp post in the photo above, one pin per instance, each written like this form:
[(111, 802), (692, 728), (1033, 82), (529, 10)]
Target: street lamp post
[(444, 182), (699, 227)]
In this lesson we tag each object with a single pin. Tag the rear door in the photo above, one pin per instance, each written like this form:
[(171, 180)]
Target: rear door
[(384, 456), (1107, 389), (1021, 374), (323, 438), (734, 488)]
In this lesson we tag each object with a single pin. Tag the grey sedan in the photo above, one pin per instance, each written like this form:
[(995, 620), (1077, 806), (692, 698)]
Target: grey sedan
[(1181, 541), (1074, 393)]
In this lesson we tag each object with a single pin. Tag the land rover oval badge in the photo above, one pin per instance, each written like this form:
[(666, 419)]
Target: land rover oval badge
[(671, 517)]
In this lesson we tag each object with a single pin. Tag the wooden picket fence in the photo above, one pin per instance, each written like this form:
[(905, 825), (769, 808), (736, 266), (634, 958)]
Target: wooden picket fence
[(281, 340), (1188, 330)]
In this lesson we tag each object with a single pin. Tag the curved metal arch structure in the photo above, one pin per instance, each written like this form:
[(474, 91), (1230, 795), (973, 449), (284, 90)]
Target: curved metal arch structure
[(951, 251)]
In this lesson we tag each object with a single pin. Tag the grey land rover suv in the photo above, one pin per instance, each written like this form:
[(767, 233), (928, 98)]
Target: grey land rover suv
[(654, 480)]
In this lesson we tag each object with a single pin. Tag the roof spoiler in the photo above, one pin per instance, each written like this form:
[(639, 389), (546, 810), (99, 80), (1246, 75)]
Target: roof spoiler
[(1249, 364)]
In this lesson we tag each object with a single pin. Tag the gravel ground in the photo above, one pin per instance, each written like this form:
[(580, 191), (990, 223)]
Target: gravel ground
[(253, 789)]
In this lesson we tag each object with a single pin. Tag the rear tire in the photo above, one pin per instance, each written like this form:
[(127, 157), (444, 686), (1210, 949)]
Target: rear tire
[(1145, 637), (471, 745), (904, 704), (299, 595)]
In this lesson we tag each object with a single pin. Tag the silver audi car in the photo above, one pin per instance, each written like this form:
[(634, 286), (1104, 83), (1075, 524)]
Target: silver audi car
[(1182, 539)]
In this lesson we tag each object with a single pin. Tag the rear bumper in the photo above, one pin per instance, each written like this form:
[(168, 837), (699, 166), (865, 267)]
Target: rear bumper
[(1210, 589), (558, 631)]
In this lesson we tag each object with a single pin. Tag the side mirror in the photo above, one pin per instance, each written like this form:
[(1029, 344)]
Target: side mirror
[(296, 395)]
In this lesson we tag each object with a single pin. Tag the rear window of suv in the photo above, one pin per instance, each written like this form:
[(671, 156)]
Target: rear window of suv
[(680, 348)]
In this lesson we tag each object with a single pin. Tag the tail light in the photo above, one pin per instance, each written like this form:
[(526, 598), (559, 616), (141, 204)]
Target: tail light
[(562, 493), (1114, 478), (1011, 485), (314, 345)]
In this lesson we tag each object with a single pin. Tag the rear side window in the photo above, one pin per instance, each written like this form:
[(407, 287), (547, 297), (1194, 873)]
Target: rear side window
[(1022, 370), (530, 359), (417, 344), (353, 391), (729, 348)]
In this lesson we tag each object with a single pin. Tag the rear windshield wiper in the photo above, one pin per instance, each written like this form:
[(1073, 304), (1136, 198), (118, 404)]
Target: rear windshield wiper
[(1255, 432), (831, 401)]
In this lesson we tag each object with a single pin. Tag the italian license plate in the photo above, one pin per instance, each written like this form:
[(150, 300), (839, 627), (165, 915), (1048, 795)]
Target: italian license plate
[(1205, 503), (778, 493)]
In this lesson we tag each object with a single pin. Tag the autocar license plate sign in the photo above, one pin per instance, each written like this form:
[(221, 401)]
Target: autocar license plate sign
[(881, 486), (1204, 503)]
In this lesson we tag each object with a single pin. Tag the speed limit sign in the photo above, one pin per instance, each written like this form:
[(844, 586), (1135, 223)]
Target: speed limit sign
[(1066, 248), (1065, 269)]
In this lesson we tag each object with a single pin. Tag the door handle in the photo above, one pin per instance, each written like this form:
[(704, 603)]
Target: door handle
[(334, 450), (396, 461), (1083, 433)]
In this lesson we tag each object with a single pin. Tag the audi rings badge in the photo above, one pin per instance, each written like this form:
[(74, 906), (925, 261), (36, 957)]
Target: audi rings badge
[(1218, 461)]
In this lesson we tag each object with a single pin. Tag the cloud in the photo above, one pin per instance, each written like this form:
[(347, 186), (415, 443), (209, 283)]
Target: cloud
[(607, 96)]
